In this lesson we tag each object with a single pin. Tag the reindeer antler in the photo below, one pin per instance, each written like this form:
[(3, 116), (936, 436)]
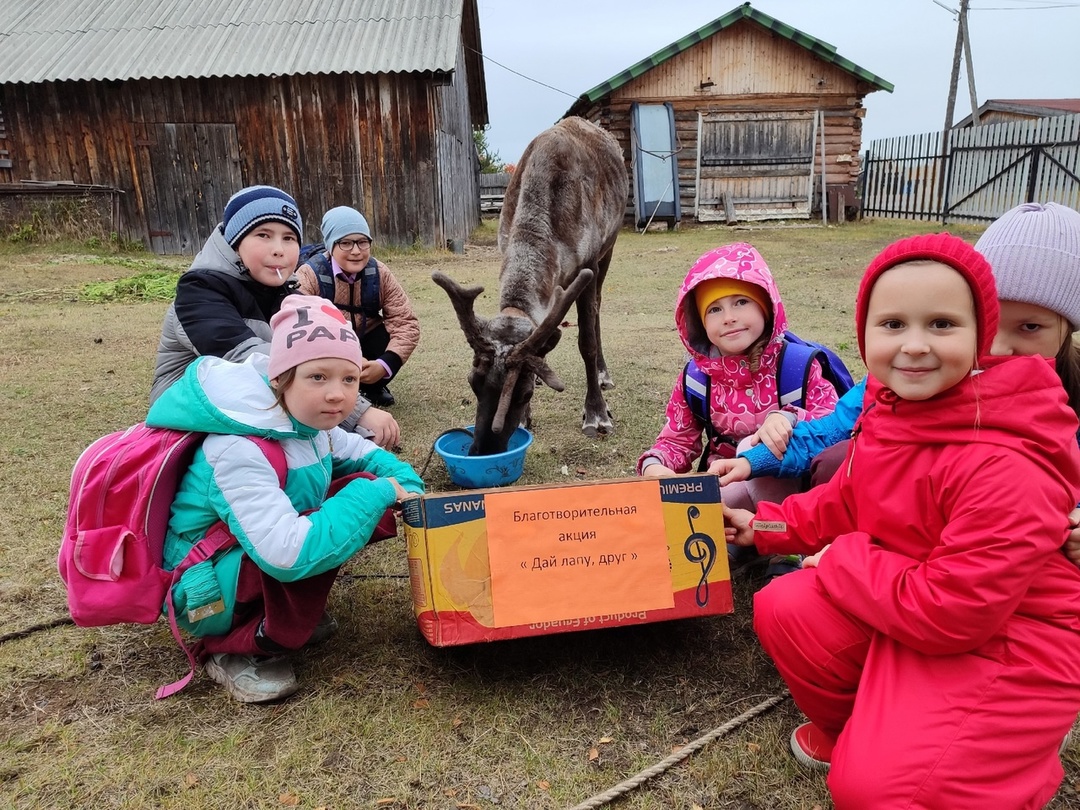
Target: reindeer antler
[(561, 300), (464, 301)]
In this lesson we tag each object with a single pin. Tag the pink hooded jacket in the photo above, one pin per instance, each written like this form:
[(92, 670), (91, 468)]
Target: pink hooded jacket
[(740, 399)]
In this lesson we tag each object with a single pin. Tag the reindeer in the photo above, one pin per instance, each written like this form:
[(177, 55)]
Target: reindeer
[(560, 218)]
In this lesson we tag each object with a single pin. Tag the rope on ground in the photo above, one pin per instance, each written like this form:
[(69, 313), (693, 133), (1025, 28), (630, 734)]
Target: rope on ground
[(35, 628), (627, 785)]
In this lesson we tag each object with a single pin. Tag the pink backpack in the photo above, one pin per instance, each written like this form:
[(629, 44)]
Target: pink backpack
[(122, 488)]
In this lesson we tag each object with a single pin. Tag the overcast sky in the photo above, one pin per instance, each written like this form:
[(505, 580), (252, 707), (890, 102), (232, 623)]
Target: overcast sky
[(1021, 49)]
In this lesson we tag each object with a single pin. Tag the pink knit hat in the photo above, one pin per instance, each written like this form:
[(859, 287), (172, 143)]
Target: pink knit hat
[(949, 250), (310, 328)]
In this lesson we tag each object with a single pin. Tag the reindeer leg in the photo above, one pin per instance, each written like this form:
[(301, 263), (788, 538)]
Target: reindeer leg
[(602, 373), (596, 419)]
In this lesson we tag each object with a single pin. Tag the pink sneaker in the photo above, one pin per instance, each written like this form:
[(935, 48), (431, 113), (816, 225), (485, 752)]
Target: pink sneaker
[(811, 747)]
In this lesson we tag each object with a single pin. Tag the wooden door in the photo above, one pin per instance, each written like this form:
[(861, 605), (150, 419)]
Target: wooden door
[(186, 174), (762, 161)]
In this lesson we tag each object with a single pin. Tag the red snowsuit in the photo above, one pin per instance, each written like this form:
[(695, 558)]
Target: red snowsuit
[(939, 639)]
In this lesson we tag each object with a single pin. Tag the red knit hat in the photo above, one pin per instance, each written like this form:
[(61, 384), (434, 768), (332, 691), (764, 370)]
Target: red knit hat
[(947, 249)]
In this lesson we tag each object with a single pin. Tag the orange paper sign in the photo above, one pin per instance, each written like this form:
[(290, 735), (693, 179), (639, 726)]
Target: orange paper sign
[(577, 552)]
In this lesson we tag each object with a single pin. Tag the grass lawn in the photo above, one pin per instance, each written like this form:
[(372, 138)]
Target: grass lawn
[(383, 720)]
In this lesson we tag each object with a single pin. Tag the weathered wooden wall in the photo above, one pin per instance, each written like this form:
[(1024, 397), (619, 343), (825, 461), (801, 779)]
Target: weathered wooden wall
[(458, 164), (745, 68), (389, 145)]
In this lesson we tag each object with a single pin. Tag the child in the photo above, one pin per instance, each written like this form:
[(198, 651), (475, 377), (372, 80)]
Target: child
[(225, 300), (934, 637), (387, 327), (265, 597), (1034, 253), (731, 320)]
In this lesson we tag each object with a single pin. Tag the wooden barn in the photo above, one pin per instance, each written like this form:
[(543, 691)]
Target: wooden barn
[(175, 106), (1008, 110), (738, 120)]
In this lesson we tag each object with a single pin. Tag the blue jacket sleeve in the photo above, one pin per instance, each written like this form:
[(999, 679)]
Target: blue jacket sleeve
[(808, 439)]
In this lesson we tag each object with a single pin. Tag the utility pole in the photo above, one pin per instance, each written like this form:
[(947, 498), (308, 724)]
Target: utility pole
[(954, 80), (968, 63)]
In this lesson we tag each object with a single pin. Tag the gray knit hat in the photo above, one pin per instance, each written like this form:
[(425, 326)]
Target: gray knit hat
[(337, 223), (1034, 251)]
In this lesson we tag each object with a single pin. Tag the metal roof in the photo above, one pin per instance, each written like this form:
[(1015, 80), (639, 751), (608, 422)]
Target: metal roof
[(823, 50), (64, 40)]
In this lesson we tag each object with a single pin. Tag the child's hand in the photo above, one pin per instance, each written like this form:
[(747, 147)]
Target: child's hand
[(737, 526), (401, 493), (1072, 541), (730, 470), (774, 433), (657, 471), (813, 560)]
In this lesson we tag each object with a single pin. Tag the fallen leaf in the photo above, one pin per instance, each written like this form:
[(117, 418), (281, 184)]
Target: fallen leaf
[(400, 759), (676, 748), (384, 802), (696, 806), (543, 784), (581, 471), (456, 722), (594, 754), (450, 793), (420, 687), (422, 703), (605, 740), (191, 780), (288, 799), (753, 747)]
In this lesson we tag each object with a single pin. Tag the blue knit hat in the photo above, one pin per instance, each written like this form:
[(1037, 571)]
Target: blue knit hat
[(255, 205), (339, 222)]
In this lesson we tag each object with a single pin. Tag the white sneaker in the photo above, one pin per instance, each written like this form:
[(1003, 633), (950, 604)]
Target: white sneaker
[(252, 679)]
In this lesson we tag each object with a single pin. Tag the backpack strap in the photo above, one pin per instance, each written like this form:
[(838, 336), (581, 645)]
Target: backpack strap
[(793, 372), (324, 274), (217, 538), (697, 390), (370, 292), (370, 295)]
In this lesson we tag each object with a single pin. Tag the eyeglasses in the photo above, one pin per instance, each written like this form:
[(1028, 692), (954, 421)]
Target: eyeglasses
[(348, 244)]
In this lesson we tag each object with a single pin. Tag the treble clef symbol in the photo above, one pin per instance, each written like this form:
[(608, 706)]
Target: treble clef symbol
[(700, 548)]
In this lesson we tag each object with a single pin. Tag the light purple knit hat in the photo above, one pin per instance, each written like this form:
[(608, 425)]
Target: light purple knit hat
[(1034, 251)]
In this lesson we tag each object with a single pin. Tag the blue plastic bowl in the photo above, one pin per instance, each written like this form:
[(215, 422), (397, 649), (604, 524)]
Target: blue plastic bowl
[(479, 472)]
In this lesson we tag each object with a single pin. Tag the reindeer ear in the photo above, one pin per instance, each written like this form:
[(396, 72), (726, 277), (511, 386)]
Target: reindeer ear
[(548, 377)]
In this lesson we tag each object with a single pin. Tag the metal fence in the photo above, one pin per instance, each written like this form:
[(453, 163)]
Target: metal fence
[(976, 174)]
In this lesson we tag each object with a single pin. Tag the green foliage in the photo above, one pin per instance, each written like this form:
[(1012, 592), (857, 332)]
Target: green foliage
[(152, 285), (490, 162)]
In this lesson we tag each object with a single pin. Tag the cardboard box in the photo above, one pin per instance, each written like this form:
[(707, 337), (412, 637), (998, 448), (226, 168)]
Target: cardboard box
[(524, 561)]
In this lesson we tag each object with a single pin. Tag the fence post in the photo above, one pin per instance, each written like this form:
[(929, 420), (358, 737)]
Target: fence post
[(1033, 175)]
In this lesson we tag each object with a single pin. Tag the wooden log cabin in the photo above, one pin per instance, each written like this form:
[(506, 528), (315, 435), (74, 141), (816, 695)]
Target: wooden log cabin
[(734, 122), (175, 106)]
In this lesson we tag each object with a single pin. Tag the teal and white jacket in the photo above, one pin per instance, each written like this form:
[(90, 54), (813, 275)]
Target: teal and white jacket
[(230, 479)]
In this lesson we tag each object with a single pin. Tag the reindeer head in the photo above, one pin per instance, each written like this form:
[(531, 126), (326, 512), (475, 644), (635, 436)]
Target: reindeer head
[(508, 359)]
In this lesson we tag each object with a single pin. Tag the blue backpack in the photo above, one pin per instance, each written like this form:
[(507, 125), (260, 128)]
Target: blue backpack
[(792, 375), (370, 296)]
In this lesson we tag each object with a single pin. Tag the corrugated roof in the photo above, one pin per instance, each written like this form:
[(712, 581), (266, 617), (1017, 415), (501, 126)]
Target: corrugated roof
[(61, 40), (819, 48)]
